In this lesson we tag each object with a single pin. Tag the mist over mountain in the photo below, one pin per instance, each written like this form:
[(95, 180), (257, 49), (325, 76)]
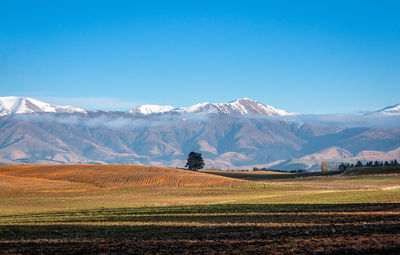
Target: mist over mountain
[(239, 134)]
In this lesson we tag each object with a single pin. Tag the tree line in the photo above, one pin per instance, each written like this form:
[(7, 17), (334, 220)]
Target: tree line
[(344, 166)]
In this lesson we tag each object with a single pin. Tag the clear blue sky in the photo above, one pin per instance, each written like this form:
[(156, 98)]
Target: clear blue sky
[(304, 56)]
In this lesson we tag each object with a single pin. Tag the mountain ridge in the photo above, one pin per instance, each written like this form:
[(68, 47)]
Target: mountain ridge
[(224, 141), (241, 106), (23, 105)]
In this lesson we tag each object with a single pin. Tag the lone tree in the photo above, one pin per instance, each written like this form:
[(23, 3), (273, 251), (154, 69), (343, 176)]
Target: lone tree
[(195, 161)]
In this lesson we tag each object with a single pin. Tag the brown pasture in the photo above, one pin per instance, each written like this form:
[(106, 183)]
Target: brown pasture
[(50, 178)]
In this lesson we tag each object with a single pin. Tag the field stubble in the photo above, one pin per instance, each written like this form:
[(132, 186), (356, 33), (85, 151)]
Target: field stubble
[(128, 209)]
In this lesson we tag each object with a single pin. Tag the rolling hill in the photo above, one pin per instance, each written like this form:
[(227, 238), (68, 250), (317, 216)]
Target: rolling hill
[(75, 178)]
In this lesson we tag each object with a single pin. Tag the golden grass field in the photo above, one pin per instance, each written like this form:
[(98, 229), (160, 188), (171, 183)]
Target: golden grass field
[(67, 209)]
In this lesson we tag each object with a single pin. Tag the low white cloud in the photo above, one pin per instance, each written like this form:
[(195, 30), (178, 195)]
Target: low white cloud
[(337, 120), (110, 121), (115, 120), (350, 120)]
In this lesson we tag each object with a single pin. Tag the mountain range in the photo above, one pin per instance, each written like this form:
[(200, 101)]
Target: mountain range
[(243, 106), (21, 105), (239, 134)]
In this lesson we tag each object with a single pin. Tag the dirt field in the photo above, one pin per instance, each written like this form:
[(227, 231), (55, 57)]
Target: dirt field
[(130, 209), (100, 176)]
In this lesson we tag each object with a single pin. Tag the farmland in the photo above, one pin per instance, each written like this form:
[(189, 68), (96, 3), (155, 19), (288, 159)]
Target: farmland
[(138, 209)]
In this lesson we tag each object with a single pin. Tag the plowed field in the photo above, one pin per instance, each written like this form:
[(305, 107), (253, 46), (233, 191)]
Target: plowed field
[(114, 176), (90, 209)]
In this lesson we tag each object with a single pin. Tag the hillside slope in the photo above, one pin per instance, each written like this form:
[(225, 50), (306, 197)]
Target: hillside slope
[(108, 176), (224, 141)]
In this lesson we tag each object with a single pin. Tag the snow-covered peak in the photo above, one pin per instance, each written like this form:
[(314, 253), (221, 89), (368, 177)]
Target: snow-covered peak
[(18, 105), (203, 108), (242, 106), (390, 110), (147, 109)]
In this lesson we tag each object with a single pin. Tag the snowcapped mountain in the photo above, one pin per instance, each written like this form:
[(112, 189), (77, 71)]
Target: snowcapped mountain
[(13, 105), (147, 109), (390, 110), (225, 140), (243, 106)]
